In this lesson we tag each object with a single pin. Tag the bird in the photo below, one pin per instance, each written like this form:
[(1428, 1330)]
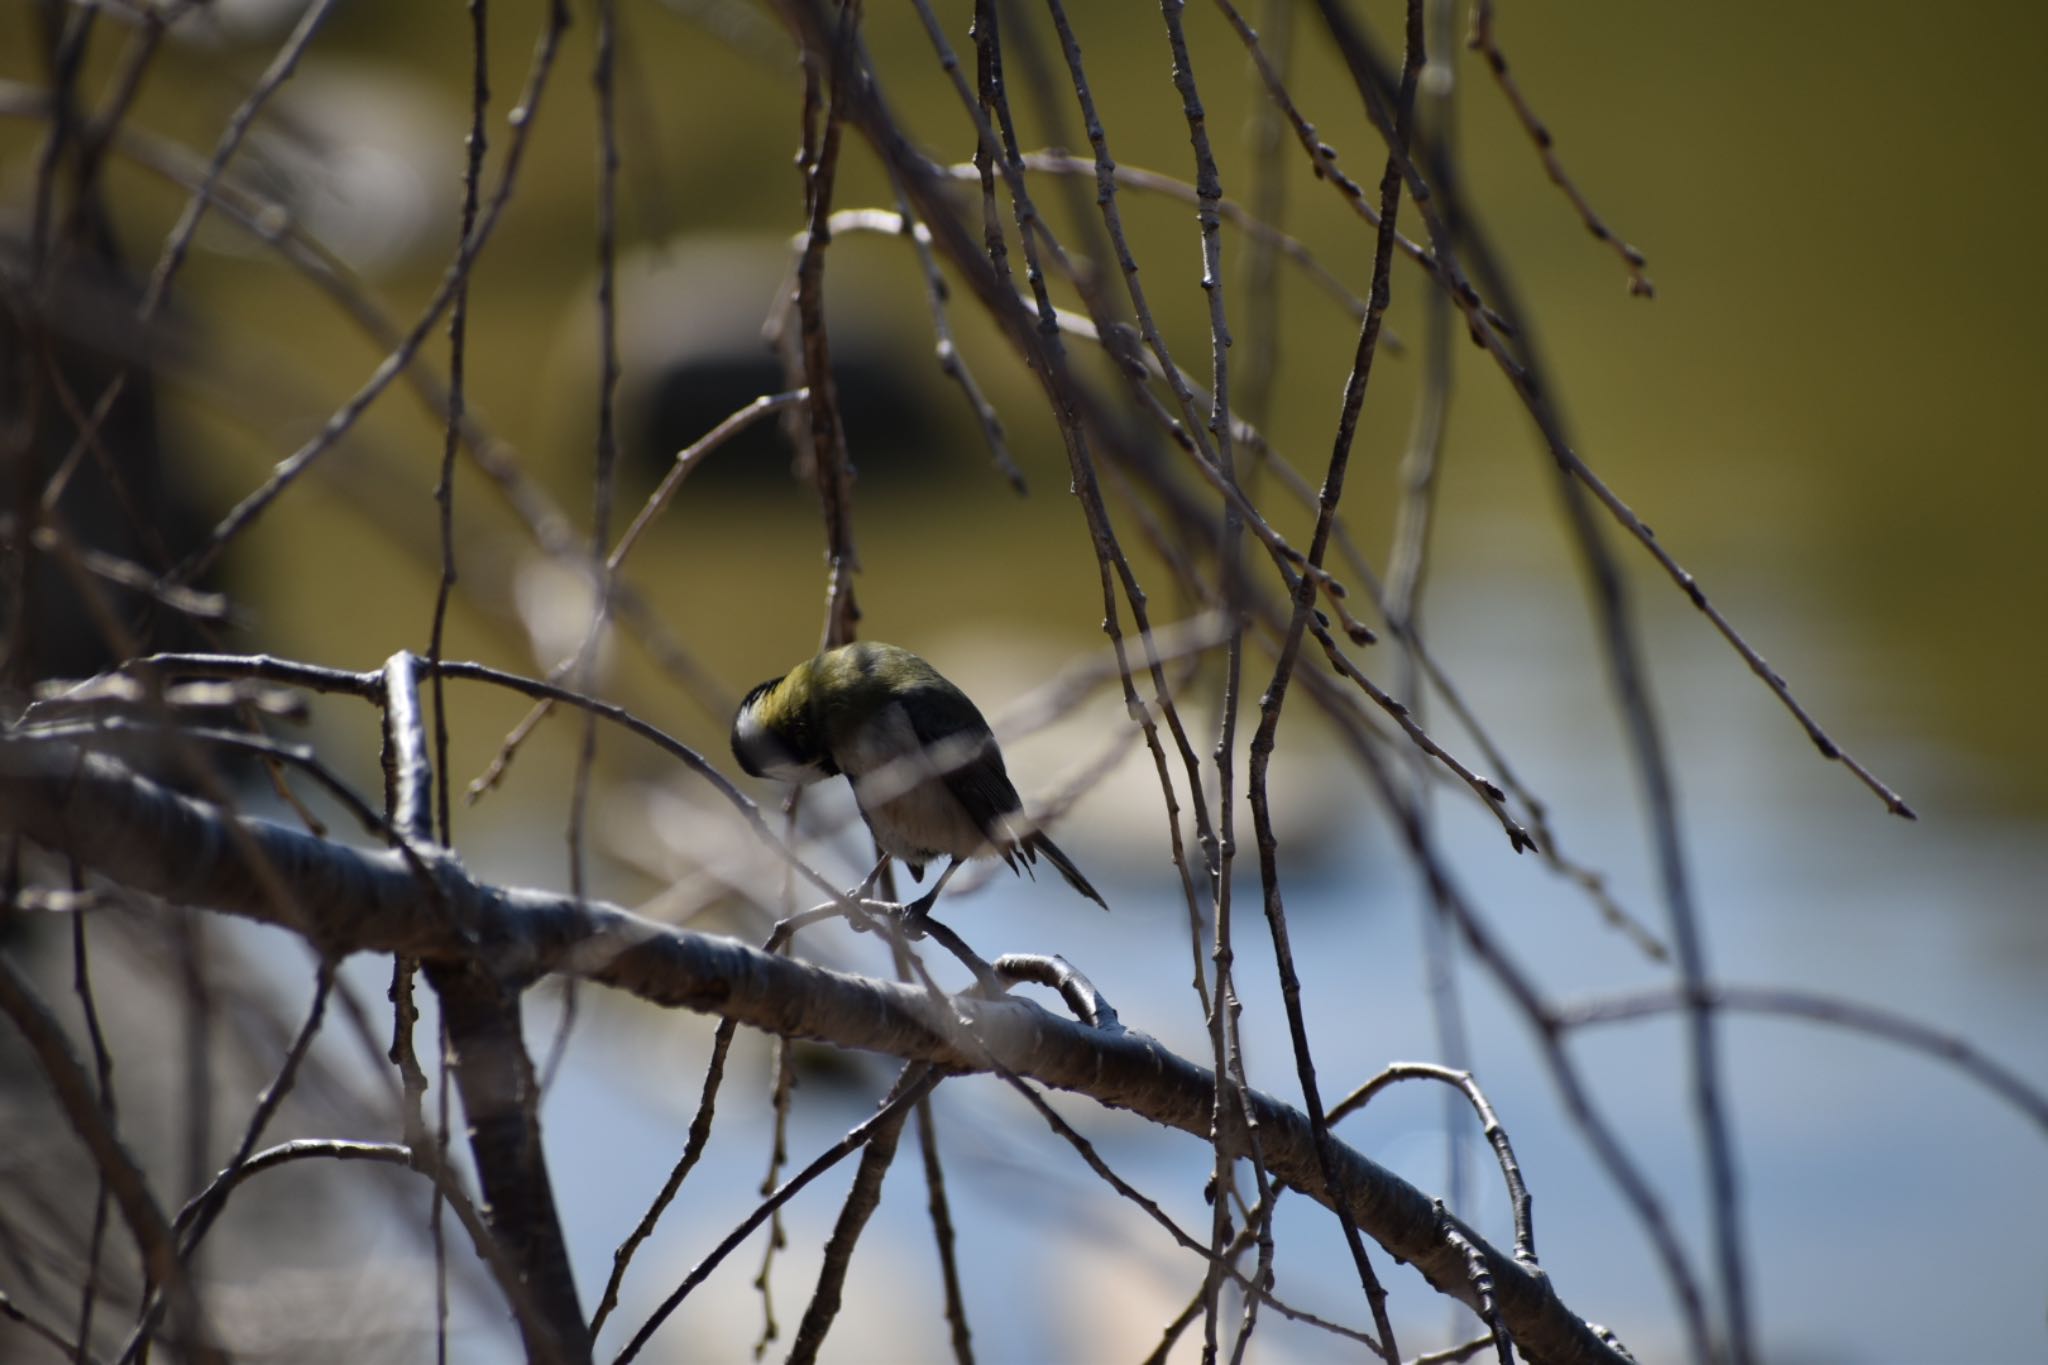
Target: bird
[(926, 771)]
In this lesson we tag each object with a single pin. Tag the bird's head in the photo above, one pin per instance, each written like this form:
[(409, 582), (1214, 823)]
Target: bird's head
[(775, 732)]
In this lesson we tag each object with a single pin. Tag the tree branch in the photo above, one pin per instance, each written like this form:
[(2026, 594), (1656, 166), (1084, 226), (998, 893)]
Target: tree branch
[(125, 827)]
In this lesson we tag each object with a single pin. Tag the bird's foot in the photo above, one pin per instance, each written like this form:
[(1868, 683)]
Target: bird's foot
[(860, 909), (861, 912), (912, 917)]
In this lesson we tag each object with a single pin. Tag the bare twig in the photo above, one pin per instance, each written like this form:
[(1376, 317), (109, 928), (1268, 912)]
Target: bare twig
[(458, 337), (1262, 233), (130, 1189), (1274, 697), (1483, 42), (1078, 991), (810, 352), (345, 418), (1620, 646), (916, 1082), (1822, 1009), (615, 590), (121, 826), (103, 1076), (447, 1188), (1113, 569), (779, 1092), (180, 239), (65, 1346), (603, 479), (861, 1201), (961, 1337), (194, 1220), (1358, 54), (693, 1149), (951, 364), (1496, 1134), (700, 1129)]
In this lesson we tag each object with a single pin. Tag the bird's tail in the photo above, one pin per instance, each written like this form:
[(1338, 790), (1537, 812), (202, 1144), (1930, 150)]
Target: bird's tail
[(1036, 843)]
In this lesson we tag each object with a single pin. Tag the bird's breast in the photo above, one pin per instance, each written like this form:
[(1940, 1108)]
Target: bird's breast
[(900, 785)]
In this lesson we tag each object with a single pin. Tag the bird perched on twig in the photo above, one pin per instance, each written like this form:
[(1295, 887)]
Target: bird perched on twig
[(924, 765)]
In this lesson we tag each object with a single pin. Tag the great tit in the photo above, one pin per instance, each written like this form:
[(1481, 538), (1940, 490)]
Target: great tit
[(925, 768)]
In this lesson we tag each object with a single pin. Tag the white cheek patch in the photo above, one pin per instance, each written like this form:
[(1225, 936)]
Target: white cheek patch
[(768, 753)]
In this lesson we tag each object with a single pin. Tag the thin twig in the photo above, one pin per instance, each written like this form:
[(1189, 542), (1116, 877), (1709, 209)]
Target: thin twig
[(345, 417), (1110, 555), (130, 1188), (951, 364), (1822, 1009), (1263, 234), (71, 1350), (1401, 604), (603, 479), (1520, 988), (784, 1081), (281, 68), (1274, 697), (154, 841), (686, 461), (699, 1134), (1151, 1209), (458, 337), (961, 1032), (913, 1084), (693, 1149), (1482, 41), (1112, 568), (1496, 1134), (405, 1013), (196, 1219), (1620, 646), (1226, 1047), (1246, 1236), (958, 1332), (810, 351), (444, 1180), (1323, 158), (103, 1076), (1529, 388), (861, 1201)]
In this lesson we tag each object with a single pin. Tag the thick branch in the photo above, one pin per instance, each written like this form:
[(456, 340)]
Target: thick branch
[(500, 1100), (124, 827)]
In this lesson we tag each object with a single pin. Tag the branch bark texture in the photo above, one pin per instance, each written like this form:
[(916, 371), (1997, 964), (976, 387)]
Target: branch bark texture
[(345, 899)]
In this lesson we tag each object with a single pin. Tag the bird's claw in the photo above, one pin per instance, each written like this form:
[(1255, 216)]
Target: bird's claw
[(912, 918), (855, 907)]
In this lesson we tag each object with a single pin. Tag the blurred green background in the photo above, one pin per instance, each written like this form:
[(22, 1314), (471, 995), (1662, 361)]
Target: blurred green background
[(1829, 409)]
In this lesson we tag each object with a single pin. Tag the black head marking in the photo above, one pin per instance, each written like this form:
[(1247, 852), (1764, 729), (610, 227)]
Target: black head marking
[(778, 741)]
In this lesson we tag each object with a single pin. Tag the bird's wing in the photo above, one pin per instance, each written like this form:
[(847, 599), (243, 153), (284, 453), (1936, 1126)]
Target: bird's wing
[(946, 722)]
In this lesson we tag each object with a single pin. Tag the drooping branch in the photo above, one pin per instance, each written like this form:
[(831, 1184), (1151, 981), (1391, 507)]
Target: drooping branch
[(123, 827)]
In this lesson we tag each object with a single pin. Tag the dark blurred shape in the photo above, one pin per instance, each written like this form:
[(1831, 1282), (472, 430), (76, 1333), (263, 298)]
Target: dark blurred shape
[(888, 430), (67, 335), (691, 330)]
